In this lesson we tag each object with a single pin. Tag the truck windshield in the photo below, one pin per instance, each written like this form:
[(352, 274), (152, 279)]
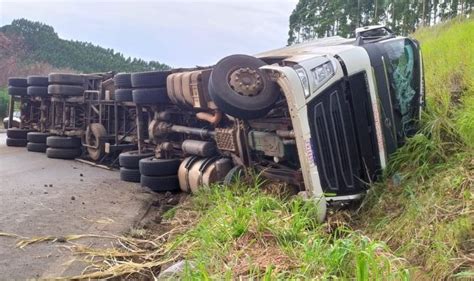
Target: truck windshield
[(403, 75)]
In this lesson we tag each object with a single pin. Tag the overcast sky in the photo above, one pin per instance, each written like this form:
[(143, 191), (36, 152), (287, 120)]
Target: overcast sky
[(180, 33)]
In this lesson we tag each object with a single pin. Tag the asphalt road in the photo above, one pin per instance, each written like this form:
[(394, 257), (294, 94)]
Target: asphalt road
[(41, 196)]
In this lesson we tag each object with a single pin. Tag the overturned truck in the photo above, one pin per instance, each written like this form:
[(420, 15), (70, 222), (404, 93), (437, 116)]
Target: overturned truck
[(323, 115)]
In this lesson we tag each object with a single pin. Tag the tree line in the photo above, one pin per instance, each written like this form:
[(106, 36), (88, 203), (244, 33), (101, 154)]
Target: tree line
[(43, 44), (321, 18)]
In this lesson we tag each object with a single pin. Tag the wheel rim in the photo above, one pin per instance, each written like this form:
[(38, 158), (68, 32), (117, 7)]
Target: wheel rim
[(246, 81)]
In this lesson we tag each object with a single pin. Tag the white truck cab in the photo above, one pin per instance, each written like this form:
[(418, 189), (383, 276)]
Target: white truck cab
[(352, 102)]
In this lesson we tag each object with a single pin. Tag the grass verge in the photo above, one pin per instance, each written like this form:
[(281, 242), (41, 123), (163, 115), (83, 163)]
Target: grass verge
[(428, 218)]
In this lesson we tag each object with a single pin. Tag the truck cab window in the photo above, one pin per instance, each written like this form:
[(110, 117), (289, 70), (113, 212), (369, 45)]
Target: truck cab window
[(402, 74)]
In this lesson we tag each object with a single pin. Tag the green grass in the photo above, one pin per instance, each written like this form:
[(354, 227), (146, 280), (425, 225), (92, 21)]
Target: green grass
[(428, 219), (243, 232), (4, 98)]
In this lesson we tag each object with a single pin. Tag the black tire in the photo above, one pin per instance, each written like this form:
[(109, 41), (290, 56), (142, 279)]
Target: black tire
[(160, 184), (94, 133), (123, 80), (37, 137), (63, 142), (37, 91), (66, 79), (16, 133), (17, 91), (34, 80), (130, 159), (154, 167), (123, 95), (233, 175), (16, 142), (66, 90), (239, 105), (36, 147), (63, 153), (150, 79), (150, 96), (130, 175), (17, 82)]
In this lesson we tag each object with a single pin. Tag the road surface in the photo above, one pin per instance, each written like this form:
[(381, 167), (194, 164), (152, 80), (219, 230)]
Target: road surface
[(41, 196)]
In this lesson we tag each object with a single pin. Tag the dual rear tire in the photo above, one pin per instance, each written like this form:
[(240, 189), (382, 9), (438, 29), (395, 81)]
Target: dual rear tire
[(63, 147), (159, 175)]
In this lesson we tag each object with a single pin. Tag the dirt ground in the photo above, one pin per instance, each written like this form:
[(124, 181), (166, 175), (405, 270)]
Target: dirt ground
[(41, 196)]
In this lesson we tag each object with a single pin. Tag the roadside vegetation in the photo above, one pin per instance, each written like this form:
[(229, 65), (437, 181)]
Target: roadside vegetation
[(415, 224), (38, 43), (428, 217), (3, 104)]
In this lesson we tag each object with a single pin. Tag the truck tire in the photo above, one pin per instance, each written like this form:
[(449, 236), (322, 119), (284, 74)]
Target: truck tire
[(17, 82), (155, 167), (123, 80), (37, 137), (94, 133), (123, 95), (233, 175), (16, 142), (66, 90), (17, 91), (150, 79), (37, 91), (36, 147), (238, 100), (63, 153), (34, 80), (66, 79), (130, 175), (16, 133), (130, 159), (63, 142), (150, 96), (160, 184)]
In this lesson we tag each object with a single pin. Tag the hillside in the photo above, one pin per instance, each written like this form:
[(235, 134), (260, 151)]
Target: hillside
[(33, 43), (416, 224)]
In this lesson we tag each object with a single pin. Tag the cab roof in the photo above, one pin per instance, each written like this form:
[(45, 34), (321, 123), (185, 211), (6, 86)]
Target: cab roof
[(328, 45)]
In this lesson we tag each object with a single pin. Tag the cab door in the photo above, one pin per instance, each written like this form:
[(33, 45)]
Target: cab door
[(399, 77)]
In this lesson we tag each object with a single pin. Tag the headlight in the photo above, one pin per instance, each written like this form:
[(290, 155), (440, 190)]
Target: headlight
[(322, 73), (304, 79)]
